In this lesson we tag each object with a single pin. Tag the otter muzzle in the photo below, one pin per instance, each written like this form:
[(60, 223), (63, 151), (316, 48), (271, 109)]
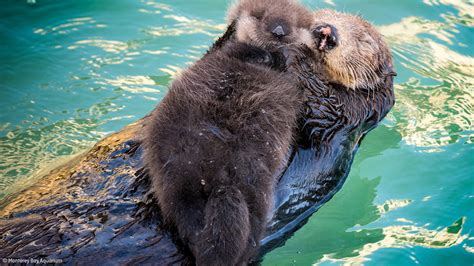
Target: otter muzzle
[(278, 31), (325, 37)]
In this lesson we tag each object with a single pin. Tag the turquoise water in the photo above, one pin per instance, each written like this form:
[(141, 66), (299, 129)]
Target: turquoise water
[(74, 71)]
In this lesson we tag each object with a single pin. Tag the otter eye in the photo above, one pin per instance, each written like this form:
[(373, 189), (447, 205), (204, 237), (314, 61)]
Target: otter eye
[(258, 14)]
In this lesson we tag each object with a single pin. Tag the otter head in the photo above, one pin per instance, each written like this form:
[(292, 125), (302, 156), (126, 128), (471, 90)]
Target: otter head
[(268, 23), (354, 52)]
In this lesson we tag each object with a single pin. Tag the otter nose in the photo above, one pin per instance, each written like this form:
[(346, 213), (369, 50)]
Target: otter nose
[(326, 37), (278, 31)]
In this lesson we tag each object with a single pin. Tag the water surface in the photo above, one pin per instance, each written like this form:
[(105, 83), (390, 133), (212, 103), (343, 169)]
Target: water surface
[(74, 71)]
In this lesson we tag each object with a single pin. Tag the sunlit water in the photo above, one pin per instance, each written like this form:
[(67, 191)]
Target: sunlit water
[(74, 71)]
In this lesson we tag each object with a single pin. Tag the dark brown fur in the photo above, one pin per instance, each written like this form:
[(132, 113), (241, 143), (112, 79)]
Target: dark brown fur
[(360, 61), (215, 146), (220, 138)]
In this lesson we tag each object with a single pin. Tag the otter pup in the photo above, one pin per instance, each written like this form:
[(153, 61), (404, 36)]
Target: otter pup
[(270, 23), (267, 23), (220, 138), (214, 147)]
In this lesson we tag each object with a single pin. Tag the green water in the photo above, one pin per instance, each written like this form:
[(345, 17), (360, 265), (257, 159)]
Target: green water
[(74, 71)]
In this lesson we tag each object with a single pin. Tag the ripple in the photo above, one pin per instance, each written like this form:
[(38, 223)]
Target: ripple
[(431, 116), (155, 52), (171, 70), (159, 6), (187, 26), (69, 26), (106, 45), (133, 84), (465, 9), (391, 205), (26, 152), (407, 236)]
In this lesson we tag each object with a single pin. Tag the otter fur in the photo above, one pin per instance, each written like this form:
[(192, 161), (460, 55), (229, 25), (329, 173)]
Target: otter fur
[(220, 138), (214, 147), (270, 23), (355, 54), (214, 171)]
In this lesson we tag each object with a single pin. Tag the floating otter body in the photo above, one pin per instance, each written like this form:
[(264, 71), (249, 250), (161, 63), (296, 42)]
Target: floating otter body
[(357, 65), (96, 209)]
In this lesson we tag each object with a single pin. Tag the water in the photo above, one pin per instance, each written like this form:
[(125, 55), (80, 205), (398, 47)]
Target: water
[(74, 71)]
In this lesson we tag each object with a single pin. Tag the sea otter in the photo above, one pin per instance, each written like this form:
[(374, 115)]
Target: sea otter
[(358, 93), (115, 221), (214, 147), (214, 171), (250, 203)]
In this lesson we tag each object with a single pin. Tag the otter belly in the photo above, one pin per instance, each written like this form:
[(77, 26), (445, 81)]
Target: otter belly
[(97, 208)]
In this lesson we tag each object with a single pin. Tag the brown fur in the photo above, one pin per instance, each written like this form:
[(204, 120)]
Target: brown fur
[(361, 58), (215, 145), (255, 20), (219, 139)]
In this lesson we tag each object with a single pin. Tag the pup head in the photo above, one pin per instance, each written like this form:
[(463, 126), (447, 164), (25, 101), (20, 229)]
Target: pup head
[(269, 23)]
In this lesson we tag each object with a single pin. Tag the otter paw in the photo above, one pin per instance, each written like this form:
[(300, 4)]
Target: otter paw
[(294, 58), (323, 117)]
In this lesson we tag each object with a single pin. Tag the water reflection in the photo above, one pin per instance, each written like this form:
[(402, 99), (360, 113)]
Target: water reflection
[(106, 45), (26, 152), (431, 114), (93, 67), (328, 233), (407, 236)]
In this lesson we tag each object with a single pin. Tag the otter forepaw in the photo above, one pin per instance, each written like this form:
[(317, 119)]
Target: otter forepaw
[(294, 58), (249, 53), (323, 117)]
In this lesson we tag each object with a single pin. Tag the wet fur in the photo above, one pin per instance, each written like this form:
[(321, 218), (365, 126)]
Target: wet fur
[(215, 146), (219, 200), (361, 59)]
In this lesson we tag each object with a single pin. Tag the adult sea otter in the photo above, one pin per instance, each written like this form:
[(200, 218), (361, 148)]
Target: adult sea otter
[(97, 208)]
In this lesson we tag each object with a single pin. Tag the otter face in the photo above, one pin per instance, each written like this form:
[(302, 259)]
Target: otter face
[(354, 52), (267, 23)]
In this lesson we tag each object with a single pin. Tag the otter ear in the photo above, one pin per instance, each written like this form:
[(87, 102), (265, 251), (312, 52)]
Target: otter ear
[(226, 37), (392, 73), (389, 71), (229, 33)]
